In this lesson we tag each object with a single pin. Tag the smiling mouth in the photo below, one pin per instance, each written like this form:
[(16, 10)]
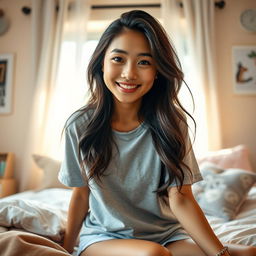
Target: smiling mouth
[(127, 86)]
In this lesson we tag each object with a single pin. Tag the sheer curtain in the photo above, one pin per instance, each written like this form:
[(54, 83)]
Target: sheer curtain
[(190, 24), (58, 36)]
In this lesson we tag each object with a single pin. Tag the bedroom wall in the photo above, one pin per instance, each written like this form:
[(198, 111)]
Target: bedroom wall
[(238, 122), (13, 126), (238, 118)]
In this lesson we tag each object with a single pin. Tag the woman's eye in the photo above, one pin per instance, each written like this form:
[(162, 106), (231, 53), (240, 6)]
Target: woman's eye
[(144, 62), (117, 59)]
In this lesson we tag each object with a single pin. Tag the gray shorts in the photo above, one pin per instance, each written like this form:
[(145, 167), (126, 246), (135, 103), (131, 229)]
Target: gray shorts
[(87, 240)]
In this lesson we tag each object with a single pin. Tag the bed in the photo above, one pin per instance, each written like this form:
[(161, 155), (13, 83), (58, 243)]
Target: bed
[(28, 217), (33, 222)]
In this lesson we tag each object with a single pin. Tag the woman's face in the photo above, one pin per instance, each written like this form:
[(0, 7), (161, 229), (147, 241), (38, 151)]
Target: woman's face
[(129, 70)]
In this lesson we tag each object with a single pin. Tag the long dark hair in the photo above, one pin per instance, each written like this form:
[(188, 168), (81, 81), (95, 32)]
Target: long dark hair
[(160, 110)]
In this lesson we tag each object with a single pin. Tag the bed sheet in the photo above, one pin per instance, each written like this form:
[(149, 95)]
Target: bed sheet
[(35, 221), (241, 230), (41, 212)]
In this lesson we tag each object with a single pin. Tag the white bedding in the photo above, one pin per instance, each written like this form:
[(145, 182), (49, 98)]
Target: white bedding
[(27, 211), (242, 229), (43, 212)]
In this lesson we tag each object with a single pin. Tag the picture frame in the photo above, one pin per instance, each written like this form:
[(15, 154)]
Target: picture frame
[(6, 82), (244, 69)]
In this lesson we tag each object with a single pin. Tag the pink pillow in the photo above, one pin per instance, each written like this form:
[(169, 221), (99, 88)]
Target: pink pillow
[(236, 157)]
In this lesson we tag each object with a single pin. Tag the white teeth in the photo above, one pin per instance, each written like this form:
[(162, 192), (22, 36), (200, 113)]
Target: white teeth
[(125, 86)]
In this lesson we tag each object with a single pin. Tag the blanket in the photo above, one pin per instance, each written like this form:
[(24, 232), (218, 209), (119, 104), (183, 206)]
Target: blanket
[(21, 243), (35, 217)]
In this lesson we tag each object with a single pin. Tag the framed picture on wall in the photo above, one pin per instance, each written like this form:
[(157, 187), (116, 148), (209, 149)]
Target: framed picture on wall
[(244, 69), (6, 83)]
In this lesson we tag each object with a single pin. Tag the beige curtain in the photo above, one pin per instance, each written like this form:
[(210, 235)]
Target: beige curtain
[(53, 24), (191, 27)]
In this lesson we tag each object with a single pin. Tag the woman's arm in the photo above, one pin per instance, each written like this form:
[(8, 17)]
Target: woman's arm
[(78, 209), (193, 220)]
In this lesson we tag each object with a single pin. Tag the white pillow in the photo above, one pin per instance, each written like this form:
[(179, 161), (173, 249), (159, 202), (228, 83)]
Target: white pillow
[(50, 169)]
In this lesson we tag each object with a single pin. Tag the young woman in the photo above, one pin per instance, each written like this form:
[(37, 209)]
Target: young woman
[(128, 154)]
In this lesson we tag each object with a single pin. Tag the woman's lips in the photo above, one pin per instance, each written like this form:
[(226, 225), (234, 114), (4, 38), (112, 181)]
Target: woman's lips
[(127, 87)]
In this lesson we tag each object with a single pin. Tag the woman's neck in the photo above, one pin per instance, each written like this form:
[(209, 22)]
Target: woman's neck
[(125, 117)]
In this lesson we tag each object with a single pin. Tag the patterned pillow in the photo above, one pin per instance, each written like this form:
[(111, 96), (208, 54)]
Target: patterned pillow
[(223, 191)]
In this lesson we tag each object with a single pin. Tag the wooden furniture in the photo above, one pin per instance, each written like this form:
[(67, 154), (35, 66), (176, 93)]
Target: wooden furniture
[(7, 182)]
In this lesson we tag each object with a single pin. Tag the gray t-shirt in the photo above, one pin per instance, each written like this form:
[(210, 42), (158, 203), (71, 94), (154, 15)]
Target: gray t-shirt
[(125, 204)]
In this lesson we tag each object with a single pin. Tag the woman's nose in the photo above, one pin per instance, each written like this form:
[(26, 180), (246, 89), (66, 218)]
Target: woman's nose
[(129, 71)]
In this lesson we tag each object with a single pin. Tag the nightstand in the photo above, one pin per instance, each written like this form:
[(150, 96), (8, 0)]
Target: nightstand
[(7, 182), (7, 187)]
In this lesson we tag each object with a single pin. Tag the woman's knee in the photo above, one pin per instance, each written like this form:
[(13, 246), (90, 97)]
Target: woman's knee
[(155, 249), (126, 247)]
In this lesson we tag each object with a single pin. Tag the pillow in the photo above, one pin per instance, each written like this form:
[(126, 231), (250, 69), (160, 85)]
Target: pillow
[(50, 169), (223, 191), (236, 157), (3, 229)]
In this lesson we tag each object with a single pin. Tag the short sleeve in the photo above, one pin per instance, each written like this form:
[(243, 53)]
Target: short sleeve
[(191, 175), (70, 172), (190, 160)]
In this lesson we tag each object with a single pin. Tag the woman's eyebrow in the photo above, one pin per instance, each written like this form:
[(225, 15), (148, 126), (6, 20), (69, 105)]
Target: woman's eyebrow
[(125, 52)]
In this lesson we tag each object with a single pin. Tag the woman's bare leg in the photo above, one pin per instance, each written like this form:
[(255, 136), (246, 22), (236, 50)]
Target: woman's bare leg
[(126, 247), (241, 250), (189, 248), (185, 247)]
